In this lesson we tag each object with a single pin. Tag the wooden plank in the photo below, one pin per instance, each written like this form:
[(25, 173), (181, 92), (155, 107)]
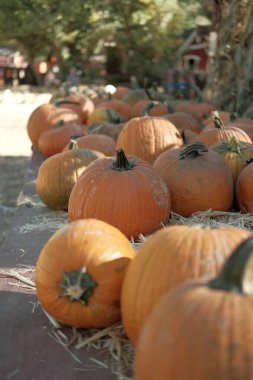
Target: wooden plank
[(28, 350)]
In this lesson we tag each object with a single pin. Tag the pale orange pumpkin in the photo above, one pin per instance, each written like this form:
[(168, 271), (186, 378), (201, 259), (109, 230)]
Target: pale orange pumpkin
[(80, 271), (100, 143)]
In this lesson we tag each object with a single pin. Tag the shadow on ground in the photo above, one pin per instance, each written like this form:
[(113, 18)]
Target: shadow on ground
[(12, 178)]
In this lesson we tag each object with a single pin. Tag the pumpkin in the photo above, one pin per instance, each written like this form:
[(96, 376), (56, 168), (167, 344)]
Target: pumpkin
[(202, 330), (134, 96), (152, 108), (104, 128), (122, 108), (104, 114), (100, 143), (58, 174), (84, 105), (183, 120), (47, 116), (243, 190), (120, 92), (80, 271), (198, 179), (220, 132), (200, 111), (234, 153), (245, 124), (168, 258), (223, 115), (118, 192), (55, 139), (148, 136)]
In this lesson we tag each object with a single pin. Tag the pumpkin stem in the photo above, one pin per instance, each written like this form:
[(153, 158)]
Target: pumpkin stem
[(249, 161), (217, 120), (112, 117), (60, 124), (149, 107), (73, 143), (77, 286), (121, 163), (237, 272), (61, 102), (194, 150)]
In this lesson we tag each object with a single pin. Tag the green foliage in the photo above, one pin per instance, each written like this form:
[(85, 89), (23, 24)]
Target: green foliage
[(146, 32)]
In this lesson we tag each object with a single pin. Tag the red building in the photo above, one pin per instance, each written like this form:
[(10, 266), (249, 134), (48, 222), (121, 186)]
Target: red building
[(193, 54)]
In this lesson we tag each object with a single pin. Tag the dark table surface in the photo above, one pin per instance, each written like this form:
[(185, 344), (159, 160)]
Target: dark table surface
[(27, 348)]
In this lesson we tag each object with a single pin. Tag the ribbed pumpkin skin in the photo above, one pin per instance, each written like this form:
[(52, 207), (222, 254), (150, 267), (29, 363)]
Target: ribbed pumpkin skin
[(168, 258), (46, 116), (196, 184), (197, 333), (148, 136), (101, 143), (212, 136), (135, 201), (58, 174), (104, 252), (54, 140), (244, 186)]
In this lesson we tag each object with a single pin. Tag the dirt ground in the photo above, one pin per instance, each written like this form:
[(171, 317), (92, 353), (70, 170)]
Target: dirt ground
[(12, 177)]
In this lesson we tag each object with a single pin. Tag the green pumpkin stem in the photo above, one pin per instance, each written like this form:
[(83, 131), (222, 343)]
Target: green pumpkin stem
[(237, 272), (149, 107), (77, 286), (121, 163), (60, 102), (73, 144), (194, 150), (60, 124), (113, 117), (217, 120)]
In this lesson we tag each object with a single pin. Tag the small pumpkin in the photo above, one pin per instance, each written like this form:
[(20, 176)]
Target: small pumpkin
[(47, 116), (81, 104), (148, 136), (100, 143), (120, 107), (235, 153), (167, 259), (80, 271), (220, 132), (202, 330), (104, 114), (55, 139), (104, 128), (183, 120), (120, 92), (151, 108), (118, 190), (58, 174), (198, 179)]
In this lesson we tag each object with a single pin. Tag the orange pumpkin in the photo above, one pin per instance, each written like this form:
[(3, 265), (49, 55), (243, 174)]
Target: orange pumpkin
[(120, 92), (47, 116), (100, 143), (104, 114), (84, 105), (104, 128), (118, 192), (80, 271), (198, 179), (220, 132), (55, 139), (244, 186), (183, 120), (168, 258), (148, 136), (58, 174), (202, 330), (122, 108)]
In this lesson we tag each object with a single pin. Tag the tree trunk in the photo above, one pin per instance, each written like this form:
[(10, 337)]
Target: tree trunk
[(231, 80)]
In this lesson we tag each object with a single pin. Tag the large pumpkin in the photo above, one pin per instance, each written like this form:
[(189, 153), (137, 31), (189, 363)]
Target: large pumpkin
[(58, 174), (244, 186), (198, 179), (183, 120), (80, 271), (168, 258), (125, 192), (203, 329), (47, 116), (84, 105), (148, 136)]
